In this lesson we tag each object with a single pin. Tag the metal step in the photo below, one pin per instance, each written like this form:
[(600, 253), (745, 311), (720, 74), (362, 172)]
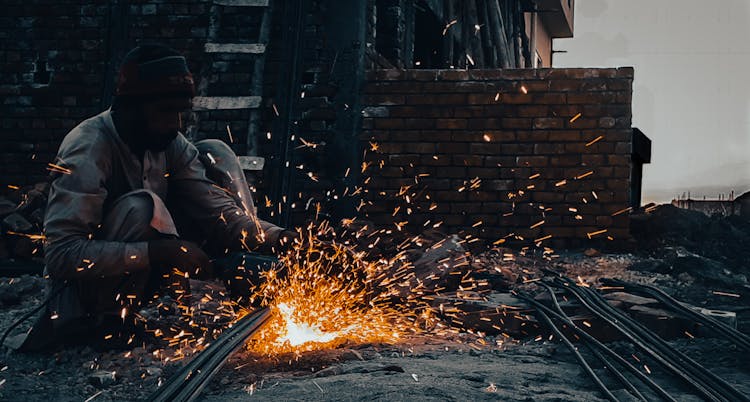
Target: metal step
[(242, 3), (255, 48), (252, 162), (226, 102)]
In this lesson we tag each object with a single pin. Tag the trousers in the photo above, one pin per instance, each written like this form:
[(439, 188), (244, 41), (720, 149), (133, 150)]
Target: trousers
[(81, 306)]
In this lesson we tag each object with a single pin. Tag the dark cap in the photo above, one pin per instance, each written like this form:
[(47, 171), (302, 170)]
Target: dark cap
[(154, 70)]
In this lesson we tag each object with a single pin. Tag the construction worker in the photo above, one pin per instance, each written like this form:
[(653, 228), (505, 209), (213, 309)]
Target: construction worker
[(135, 206)]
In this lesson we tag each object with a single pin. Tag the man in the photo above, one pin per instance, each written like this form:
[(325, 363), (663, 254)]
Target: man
[(134, 209)]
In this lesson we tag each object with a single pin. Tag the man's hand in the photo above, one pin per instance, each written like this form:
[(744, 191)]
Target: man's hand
[(165, 254), (286, 241)]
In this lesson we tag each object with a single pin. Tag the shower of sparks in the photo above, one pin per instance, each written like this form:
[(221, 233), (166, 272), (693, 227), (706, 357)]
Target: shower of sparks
[(322, 294)]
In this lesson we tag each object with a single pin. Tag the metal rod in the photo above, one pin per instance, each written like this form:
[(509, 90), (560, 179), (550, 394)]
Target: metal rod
[(607, 364), (601, 346), (731, 334), (667, 358), (607, 393), (710, 379), (186, 384)]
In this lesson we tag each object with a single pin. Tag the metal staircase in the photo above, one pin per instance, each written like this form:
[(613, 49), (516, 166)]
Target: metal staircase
[(217, 55)]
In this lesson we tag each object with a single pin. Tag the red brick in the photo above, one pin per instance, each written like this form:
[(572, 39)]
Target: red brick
[(533, 111), (467, 160), (532, 161), (384, 124), (389, 99), (483, 172), (592, 97), (447, 196), (494, 161), (548, 123), (551, 98), (517, 123), (564, 135), (517, 98), (402, 160), (482, 99), (390, 87), (498, 185), (485, 148), (549, 148), (517, 149), (532, 136), (485, 124), (435, 135), (565, 160), (422, 111), (421, 75), (452, 147), (582, 123), (418, 124), (454, 124), (607, 122), (452, 75), (454, 87), (519, 74), (469, 111), (435, 160), (436, 99), (498, 135)]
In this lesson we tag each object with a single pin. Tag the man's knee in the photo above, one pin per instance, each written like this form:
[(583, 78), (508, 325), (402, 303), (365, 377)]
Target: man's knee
[(130, 218), (217, 148)]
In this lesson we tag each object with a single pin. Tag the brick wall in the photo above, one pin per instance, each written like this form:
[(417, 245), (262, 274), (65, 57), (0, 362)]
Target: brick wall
[(495, 152)]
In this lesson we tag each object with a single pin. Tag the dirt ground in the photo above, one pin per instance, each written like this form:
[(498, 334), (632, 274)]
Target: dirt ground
[(451, 366)]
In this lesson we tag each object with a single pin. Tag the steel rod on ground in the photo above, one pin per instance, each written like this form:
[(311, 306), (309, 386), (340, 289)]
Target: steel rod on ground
[(189, 381), (585, 335)]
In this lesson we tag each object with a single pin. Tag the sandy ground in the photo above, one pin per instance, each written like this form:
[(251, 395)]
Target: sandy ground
[(452, 366)]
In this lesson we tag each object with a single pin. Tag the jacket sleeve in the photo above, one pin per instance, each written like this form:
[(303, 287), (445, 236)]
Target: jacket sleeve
[(75, 211), (211, 207)]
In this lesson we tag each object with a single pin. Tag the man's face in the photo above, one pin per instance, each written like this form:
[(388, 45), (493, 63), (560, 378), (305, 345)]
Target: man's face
[(162, 119)]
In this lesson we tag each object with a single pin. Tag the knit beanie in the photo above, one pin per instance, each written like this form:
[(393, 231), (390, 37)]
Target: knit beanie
[(154, 70)]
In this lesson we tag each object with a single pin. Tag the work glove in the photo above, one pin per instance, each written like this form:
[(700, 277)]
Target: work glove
[(166, 254), (286, 241)]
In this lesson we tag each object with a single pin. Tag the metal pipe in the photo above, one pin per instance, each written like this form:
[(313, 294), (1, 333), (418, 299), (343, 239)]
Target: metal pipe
[(607, 364), (708, 378), (578, 357), (608, 351), (639, 342), (189, 381)]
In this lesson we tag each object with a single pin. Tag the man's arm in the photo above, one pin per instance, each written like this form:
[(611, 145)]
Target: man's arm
[(74, 213), (211, 207)]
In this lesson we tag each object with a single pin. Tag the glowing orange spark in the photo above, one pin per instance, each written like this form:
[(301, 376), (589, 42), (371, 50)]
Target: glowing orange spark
[(594, 141)]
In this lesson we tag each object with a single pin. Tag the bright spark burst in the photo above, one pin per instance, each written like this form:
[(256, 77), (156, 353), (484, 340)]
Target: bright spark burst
[(322, 294)]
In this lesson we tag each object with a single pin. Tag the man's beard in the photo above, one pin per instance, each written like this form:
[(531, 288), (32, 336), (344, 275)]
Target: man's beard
[(150, 141), (159, 142)]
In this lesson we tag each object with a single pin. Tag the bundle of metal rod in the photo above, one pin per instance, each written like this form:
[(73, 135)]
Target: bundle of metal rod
[(718, 327), (701, 380), (189, 381), (578, 356), (598, 348)]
